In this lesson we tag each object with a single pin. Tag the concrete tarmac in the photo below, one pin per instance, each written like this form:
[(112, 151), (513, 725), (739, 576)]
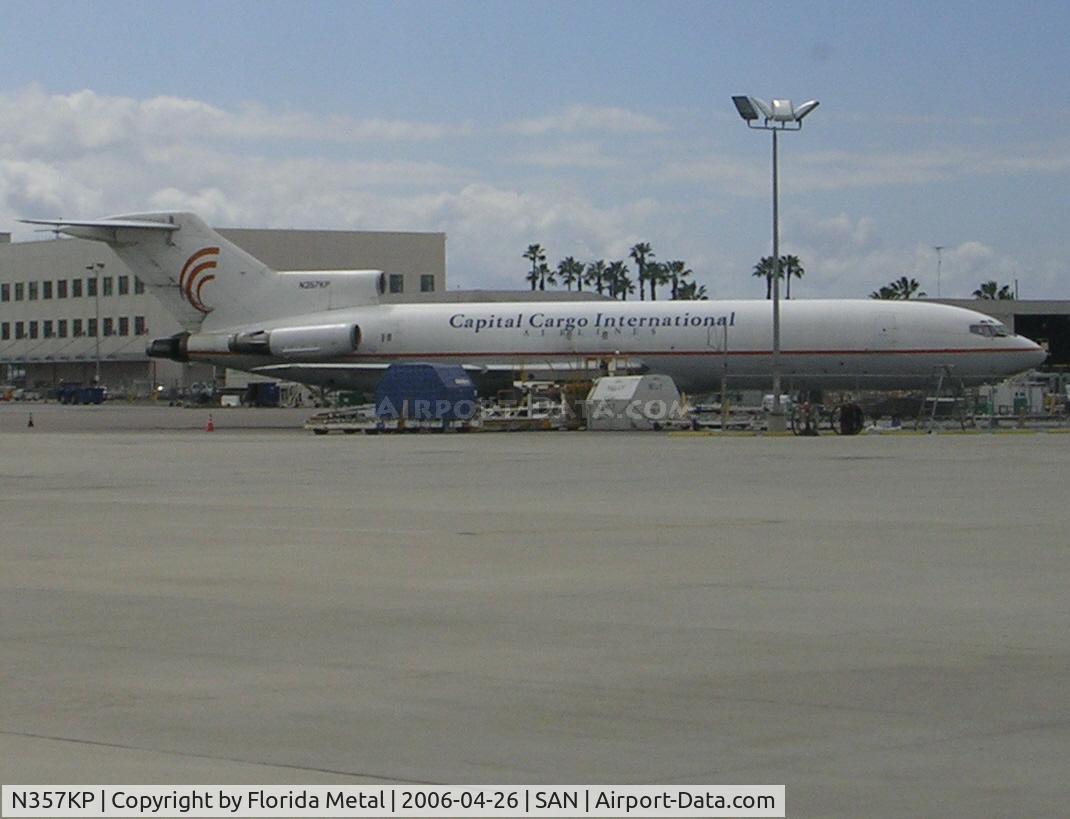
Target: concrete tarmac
[(878, 623)]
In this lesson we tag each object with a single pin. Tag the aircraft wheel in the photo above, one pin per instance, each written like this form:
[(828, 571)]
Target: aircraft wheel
[(848, 419)]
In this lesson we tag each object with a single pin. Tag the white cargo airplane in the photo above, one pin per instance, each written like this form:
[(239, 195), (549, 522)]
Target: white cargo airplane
[(329, 328)]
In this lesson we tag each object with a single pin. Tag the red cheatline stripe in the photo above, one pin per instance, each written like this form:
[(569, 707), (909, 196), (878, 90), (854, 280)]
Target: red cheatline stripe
[(536, 356), (657, 353)]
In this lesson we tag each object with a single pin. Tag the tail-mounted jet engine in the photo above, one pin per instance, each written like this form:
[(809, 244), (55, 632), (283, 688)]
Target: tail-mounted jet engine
[(314, 341), (319, 341)]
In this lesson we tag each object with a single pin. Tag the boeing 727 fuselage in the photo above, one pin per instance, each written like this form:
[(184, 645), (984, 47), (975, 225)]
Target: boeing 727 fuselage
[(329, 327)]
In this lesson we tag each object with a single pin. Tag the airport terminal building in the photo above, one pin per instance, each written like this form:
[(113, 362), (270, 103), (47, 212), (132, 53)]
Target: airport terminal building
[(70, 309)]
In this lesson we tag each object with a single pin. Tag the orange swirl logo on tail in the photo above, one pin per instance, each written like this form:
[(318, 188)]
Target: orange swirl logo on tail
[(192, 278)]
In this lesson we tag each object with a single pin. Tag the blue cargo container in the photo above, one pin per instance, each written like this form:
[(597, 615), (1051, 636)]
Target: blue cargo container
[(77, 394), (91, 395), (426, 392), (264, 394)]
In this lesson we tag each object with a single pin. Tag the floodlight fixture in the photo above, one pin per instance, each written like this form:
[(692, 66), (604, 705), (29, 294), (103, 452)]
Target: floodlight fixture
[(805, 109), (764, 107), (746, 107), (782, 111), (779, 114)]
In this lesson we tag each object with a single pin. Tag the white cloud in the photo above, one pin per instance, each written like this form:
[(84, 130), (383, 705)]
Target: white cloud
[(60, 125), (588, 118), (721, 172), (35, 187), (489, 227), (844, 170), (570, 155), (846, 256), (84, 154)]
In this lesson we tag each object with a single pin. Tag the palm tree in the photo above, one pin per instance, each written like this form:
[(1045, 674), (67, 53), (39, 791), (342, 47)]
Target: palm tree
[(640, 252), (580, 271), (692, 291), (901, 289), (764, 269), (571, 272), (991, 291), (596, 271), (537, 255), (790, 266), (546, 276), (678, 271), (619, 282), (909, 288), (656, 273)]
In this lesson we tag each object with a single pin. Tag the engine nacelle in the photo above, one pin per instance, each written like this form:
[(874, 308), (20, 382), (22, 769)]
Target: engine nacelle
[(315, 341), (173, 347)]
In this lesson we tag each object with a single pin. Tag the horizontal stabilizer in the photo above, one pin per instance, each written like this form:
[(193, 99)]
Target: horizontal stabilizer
[(124, 224)]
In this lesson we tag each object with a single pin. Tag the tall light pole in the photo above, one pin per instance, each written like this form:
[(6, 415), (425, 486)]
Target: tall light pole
[(97, 267), (780, 115), (939, 258)]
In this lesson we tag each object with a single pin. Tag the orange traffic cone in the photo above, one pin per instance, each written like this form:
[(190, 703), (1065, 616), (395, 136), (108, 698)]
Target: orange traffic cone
[(31, 421), (209, 427)]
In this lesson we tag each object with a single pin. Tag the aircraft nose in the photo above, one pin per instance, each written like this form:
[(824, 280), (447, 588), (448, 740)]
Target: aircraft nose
[(1033, 355)]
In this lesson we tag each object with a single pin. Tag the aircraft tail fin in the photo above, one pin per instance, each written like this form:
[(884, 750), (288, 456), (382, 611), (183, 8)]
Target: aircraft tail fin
[(203, 280)]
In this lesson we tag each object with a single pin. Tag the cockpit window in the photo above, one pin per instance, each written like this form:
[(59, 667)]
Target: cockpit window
[(990, 329)]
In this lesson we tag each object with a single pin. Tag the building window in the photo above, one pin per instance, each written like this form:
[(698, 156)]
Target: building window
[(5, 292), (124, 326), (427, 283), (107, 286), (61, 289), (139, 326), (76, 328), (20, 329), (124, 285), (139, 286), (109, 327), (46, 290), (397, 283), (33, 329), (61, 328), (32, 296), (5, 331), (76, 288), (18, 291), (91, 287), (91, 327), (47, 328)]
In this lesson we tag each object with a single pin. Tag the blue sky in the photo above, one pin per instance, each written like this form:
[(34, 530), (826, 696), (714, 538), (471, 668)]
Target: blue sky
[(583, 126)]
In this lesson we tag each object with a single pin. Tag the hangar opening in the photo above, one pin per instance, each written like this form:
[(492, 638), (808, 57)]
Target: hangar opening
[(1050, 331)]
